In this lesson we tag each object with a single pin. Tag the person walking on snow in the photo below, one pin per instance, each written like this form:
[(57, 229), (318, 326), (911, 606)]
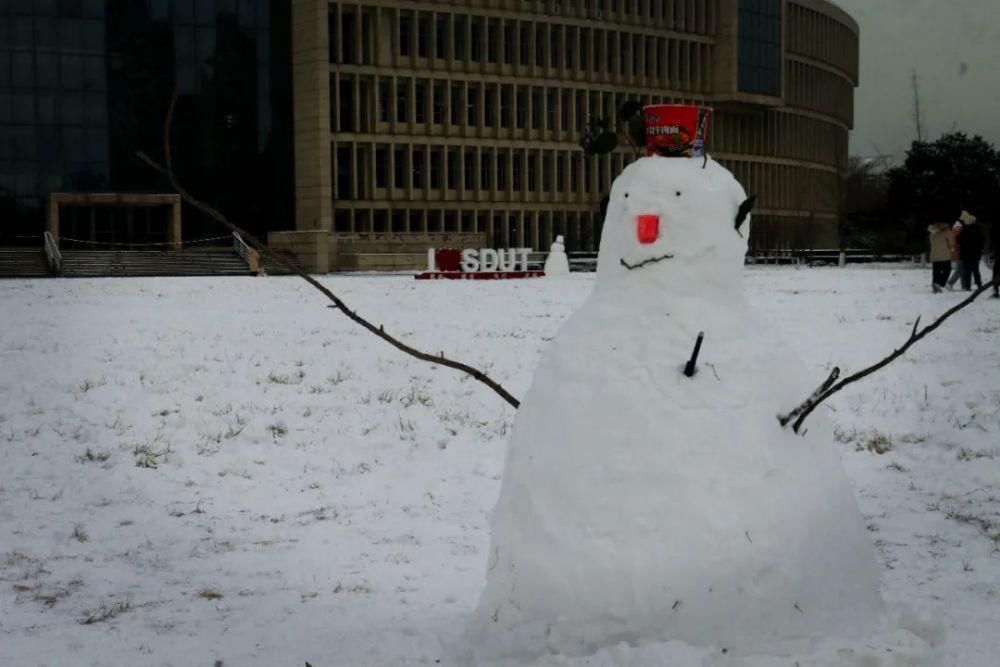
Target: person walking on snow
[(970, 250), (940, 254)]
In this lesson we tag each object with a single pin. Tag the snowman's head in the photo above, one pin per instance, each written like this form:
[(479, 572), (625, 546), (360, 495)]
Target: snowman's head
[(676, 224)]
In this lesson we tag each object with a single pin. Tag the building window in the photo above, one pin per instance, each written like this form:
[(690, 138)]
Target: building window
[(437, 116), (456, 104), (472, 105), (405, 34), (520, 108), (532, 172), (505, 94), (458, 28), (452, 168), (469, 160), (492, 41), (418, 168), (516, 169), (570, 48), (555, 42), (402, 101), (420, 105), (525, 44), (441, 37), (539, 45), (508, 42), (536, 108), (760, 47), (485, 166), (476, 40), (501, 183), (399, 167), (435, 155), (423, 34), (381, 166), (384, 101), (489, 104)]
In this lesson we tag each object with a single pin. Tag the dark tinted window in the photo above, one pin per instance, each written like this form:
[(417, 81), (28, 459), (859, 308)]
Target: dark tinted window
[(760, 47)]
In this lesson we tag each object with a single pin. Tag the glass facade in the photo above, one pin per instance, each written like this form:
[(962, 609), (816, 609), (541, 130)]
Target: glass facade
[(84, 84), (760, 56)]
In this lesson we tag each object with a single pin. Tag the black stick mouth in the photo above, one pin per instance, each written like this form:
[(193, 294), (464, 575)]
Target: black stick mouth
[(651, 260)]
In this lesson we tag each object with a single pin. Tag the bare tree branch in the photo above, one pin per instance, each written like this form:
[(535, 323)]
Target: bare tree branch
[(834, 374), (825, 391), (252, 241)]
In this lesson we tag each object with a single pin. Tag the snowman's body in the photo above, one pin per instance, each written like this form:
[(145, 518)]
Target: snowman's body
[(557, 263), (638, 504)]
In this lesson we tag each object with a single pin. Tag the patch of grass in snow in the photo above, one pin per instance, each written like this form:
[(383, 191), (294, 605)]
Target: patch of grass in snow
[(106, 612), (361, 587), (876, 442), (79, 534), (280, 378), (416, 397), (87, 384), (277, 430), (210, 594), (147, 456), (966, 454), (338, 378), (90, 456)]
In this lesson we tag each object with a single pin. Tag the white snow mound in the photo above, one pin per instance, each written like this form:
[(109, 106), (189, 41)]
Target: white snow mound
[(642, 506)]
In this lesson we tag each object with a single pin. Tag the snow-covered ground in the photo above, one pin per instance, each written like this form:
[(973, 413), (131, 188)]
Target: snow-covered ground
[(202, 470)]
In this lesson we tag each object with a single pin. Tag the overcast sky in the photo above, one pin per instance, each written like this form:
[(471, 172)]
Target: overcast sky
[(954, 47)]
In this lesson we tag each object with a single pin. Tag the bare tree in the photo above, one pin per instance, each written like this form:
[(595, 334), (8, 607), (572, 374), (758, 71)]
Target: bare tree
[(917, 115), (167, 170)]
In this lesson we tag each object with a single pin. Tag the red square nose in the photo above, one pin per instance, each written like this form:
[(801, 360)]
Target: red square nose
[(648, 228)]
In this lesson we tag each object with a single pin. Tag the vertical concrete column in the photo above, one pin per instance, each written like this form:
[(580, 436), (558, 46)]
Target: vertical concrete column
[(311, 116), (52, 216), (174, 235)]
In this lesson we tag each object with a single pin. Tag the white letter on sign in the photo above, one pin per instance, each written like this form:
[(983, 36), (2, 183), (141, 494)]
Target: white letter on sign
[(488, 259), (523, 252), (470, 260)]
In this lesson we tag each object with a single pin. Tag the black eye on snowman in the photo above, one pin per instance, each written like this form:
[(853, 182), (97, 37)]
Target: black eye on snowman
[(678, 193), (626, 195)]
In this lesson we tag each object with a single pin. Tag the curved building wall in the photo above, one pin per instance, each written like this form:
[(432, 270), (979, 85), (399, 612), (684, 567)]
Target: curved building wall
[(465, 116)]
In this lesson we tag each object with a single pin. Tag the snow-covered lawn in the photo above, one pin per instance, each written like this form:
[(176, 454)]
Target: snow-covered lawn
[(202, 470)]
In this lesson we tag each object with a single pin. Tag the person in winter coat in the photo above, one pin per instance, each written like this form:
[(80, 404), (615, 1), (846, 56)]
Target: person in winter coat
[(940, 254), (956, 262), (970, 250)]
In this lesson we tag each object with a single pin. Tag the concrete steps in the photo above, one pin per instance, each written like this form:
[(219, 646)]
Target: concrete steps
[(24, 263), (109, 263)]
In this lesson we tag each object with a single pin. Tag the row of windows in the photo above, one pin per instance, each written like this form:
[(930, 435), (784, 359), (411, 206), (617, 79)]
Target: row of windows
[(760, 56), (51, 144), (782, 135), (365, 171), (809, 87), (48, 33), (474, 40), (816, 35), (525, 228), (70, 8), (359, 103), (66, 71), (53, 108)]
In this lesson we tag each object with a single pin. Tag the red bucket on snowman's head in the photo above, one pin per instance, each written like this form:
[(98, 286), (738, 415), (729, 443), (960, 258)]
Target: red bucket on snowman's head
[(676, 130)]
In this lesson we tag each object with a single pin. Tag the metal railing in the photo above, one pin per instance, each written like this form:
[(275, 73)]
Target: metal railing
[(53, 254), (249, 255)]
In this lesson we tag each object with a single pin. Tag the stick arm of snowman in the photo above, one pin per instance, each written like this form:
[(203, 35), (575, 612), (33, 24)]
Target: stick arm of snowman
[(828, 388), (167, 170)]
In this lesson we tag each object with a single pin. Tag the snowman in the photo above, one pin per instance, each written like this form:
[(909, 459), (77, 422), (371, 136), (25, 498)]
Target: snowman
[(557, 264), (646, 498)]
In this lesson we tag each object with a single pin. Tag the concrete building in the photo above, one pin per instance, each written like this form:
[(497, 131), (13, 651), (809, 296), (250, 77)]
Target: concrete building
[(464, 116), (319, 122)]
